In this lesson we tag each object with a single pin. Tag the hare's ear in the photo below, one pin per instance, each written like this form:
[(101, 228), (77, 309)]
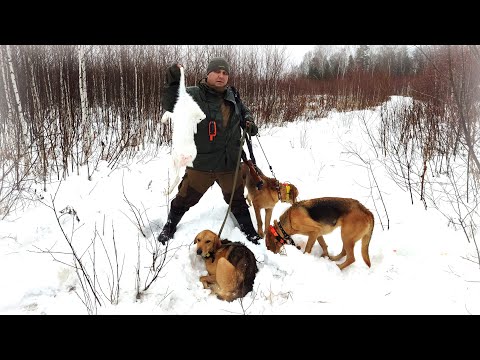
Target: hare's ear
[(275, 222)]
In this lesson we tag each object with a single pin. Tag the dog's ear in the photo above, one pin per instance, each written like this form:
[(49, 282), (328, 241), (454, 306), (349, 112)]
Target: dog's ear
[(218, 243), (294, 193)]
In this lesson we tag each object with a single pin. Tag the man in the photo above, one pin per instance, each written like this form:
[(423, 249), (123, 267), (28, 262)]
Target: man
[(218, 144)]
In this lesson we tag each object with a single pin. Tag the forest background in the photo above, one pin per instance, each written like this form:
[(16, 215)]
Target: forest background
[(65, 106)]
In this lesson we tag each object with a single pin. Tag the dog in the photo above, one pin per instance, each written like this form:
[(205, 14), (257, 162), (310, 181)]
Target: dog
[(271, 192), (317, 217), (231, 266), (185, 117)]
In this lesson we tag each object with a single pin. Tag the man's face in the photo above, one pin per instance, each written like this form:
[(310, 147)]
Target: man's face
[(217, 79)]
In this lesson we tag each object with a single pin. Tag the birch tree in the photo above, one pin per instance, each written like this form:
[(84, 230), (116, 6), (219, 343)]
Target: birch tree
[(8, 103), (21, 122), (37, 122), (86, 138)]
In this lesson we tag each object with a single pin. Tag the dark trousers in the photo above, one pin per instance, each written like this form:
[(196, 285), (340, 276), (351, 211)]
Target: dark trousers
[(195, 183)]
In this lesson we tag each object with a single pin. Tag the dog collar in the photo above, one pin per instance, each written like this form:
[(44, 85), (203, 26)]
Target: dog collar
[(275, 234), (277, 186), (287, 192), (288, 237), (287, 240)]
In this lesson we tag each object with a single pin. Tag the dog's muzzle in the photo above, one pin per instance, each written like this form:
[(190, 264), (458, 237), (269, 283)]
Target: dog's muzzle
[(199, 252)]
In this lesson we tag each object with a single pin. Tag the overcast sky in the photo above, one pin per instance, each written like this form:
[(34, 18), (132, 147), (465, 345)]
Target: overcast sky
[(297, 52)]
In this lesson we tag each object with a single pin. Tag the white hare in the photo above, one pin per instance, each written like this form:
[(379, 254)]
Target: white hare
[(185, 117)]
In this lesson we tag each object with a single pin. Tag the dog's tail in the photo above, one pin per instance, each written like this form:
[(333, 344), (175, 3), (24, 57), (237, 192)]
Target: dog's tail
[(366, 240)]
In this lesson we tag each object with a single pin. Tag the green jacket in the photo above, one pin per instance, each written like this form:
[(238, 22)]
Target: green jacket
[(221, 153)]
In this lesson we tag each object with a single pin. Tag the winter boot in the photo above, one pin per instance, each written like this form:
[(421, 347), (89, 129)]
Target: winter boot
[(246, 226), (170, 226)]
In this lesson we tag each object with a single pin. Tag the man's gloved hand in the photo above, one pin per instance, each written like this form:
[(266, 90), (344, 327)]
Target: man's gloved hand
[(252, 127), (172, 75)]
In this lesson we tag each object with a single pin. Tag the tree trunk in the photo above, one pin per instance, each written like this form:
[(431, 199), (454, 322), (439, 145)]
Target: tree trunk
[(21, 118)]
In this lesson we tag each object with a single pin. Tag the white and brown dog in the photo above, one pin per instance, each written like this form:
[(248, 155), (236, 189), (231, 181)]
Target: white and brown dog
[(185, 117)]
